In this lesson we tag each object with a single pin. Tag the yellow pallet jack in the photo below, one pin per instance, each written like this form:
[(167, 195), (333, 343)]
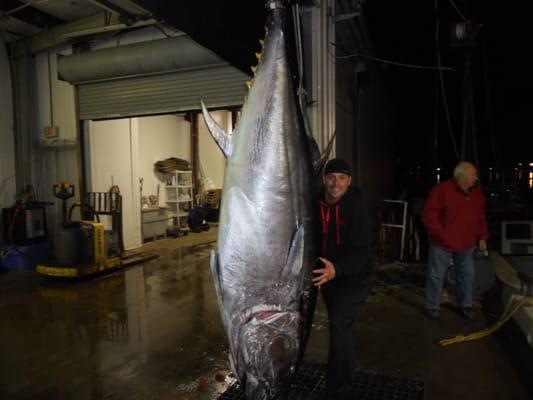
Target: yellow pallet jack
[(99, 262), (85, 248)]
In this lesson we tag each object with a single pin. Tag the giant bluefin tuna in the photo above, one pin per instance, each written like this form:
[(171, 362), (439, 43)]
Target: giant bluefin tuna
[(262, 269)]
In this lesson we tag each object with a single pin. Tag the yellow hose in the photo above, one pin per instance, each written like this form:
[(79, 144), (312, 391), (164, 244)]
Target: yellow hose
[(487, 331)]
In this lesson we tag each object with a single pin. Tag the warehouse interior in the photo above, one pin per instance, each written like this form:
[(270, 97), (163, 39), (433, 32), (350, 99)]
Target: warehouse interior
[(100, 100)]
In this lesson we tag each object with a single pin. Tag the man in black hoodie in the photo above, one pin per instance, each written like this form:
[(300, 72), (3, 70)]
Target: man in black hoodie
[(345, 278)]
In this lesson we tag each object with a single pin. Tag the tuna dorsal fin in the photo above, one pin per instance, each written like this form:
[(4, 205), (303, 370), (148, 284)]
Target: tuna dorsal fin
[(320, 159), (222, 138)]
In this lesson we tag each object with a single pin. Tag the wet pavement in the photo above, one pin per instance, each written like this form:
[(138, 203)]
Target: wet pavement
[(153, 331)]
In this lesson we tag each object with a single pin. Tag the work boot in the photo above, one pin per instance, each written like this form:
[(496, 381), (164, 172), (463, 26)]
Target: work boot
[(466, 313), (433, 314)]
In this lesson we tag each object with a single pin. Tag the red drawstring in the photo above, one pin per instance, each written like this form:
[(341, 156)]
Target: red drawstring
[(337, 220), (325, 211)]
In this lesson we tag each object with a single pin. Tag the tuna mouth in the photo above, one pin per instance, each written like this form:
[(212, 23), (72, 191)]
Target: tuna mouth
[(262, 312), (269, 347)]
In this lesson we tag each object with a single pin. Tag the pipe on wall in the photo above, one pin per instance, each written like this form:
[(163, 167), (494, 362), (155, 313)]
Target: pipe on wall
[(160, 55)]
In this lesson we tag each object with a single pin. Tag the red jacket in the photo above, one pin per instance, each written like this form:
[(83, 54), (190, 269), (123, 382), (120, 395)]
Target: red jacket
[(455, 220)]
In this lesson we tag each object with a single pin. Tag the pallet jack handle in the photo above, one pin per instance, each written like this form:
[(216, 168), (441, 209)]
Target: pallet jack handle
[(64, 191)]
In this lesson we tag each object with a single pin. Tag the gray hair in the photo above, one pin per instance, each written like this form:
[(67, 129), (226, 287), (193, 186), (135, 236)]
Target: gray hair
[(460, 168)]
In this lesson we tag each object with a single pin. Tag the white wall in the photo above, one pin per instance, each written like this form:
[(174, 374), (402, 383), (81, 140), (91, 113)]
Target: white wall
[(112, 157), (7, 146), (122, 151), (212, 161), (55, 101), (161, 137)]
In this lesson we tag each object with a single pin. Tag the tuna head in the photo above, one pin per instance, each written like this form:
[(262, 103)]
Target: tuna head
[(269, 349)]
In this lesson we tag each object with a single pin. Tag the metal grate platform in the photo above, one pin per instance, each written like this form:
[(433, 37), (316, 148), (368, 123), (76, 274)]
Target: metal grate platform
[(310, 383)]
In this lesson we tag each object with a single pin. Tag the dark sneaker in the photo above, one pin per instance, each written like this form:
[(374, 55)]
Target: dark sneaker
[(434, 314), (467, 313)]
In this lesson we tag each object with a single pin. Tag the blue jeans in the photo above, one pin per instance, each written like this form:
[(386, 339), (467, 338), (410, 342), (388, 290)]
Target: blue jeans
[(438, 262)]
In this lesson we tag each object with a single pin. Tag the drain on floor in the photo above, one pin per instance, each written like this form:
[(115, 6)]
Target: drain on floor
[(309, 384)]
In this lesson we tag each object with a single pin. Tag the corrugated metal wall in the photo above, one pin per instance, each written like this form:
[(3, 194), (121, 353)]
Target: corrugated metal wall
[(7, 144), (163, 93), (54, 159), (319, 34)]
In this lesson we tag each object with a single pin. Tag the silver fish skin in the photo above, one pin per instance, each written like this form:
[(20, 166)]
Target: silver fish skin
[(262, 269)]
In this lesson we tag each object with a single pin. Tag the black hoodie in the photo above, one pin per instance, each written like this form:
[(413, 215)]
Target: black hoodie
[(346, 238)]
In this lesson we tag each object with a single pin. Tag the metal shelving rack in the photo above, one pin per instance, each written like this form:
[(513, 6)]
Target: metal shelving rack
[(179, 197)]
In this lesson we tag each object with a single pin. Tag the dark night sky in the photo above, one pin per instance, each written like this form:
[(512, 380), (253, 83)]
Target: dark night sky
[(405, 32)]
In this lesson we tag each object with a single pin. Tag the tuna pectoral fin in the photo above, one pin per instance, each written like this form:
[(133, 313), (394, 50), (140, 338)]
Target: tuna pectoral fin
[(295, 257), (215, 272), (222, 138), (320, 159)]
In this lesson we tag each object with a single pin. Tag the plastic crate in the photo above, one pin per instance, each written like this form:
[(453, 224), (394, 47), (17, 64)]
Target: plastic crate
[(24, 257)]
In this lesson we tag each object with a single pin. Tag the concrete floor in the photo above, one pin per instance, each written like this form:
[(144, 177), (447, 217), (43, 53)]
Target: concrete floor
[(153, 331)]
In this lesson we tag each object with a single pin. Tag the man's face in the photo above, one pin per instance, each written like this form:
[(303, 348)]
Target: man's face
[(470, 176), (336, 185)]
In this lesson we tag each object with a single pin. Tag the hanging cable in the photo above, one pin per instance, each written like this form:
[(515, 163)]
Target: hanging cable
[(436, 117), (394, 62), (441, 78), (488, 108), (51, 98), (301, 92), (458, 11)]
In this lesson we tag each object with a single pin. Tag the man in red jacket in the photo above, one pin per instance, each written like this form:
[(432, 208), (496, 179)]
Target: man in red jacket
[(454, 217)]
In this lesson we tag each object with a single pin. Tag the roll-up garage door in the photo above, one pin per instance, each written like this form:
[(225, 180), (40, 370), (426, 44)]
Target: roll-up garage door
[(161, 76), (173, 92)]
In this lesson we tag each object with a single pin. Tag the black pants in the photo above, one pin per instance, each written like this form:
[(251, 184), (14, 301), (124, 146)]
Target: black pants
[(343, 301)]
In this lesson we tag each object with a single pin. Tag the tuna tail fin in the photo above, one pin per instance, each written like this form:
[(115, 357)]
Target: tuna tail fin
[(319, 160), (222, 138)]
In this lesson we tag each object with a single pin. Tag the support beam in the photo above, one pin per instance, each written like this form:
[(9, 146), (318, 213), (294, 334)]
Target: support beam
[(26, 13), (195, 152), (107, 6), (68, 33)]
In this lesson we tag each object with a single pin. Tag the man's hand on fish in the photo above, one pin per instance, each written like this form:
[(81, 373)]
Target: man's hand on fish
[(324, 275)]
